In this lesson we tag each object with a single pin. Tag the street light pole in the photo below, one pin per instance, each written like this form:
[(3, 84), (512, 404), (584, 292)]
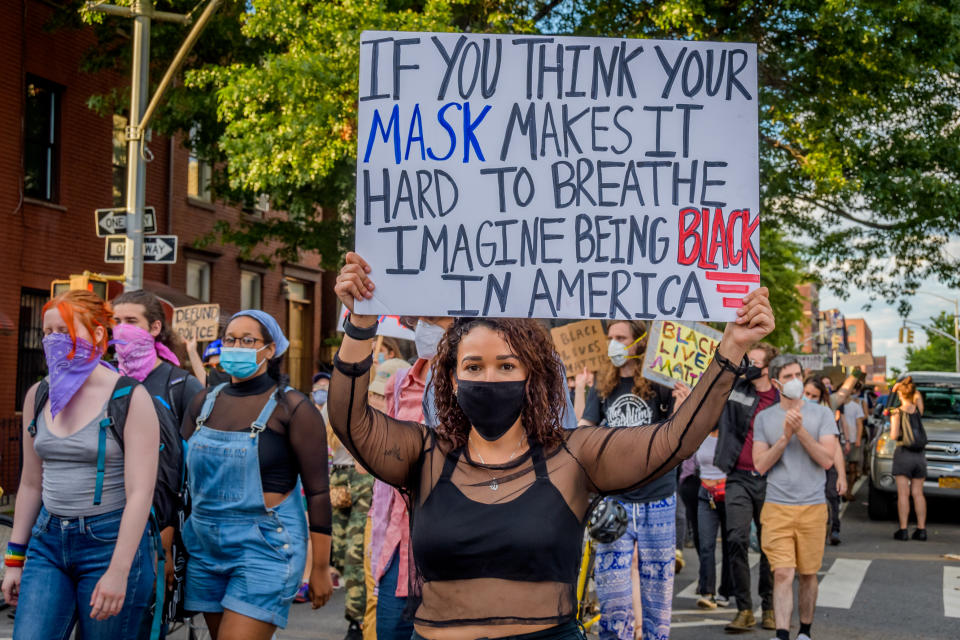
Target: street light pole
[(141, 113), (136, 166)]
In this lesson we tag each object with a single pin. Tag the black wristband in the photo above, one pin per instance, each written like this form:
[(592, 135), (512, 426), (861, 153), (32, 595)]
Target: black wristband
[(729, 366), (359, 333), (353, 369)]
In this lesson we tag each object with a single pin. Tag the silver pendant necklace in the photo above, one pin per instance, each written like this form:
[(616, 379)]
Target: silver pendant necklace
[(494, 484)]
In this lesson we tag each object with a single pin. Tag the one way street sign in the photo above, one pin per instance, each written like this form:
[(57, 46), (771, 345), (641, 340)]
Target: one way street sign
[(156, 249), (114, 221)]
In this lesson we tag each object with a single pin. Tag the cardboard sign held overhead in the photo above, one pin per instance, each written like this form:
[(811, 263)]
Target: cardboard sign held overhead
[(679, 351), (581, 344), (200, 322), (856, 359), (538, 176)]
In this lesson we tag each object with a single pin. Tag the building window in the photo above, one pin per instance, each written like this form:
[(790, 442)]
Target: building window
[(198, 280), (251, 286), (42, 142), (851, 330), (199, 174), (119, 160), (31, 364)]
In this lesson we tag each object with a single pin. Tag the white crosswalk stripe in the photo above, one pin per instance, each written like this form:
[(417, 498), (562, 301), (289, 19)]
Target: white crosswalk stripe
[(690, 591), (951, 591), (838, 589)]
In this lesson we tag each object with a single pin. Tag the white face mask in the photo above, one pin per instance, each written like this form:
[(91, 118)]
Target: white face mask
[(427, 338), (792, 389), (620, 353)]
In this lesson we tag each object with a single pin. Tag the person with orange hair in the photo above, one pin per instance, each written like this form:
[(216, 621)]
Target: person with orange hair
[(85, 490)]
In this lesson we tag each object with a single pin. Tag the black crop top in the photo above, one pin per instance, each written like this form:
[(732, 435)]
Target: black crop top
[(294, 442), (500, 544)]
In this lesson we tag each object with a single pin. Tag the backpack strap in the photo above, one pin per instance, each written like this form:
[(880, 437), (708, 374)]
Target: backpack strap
[(161, 589), (117, 408), (208, 403), (261, 422), (39, 400)]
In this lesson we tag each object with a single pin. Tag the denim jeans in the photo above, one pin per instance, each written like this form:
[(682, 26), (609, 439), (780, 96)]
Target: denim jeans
[(65, 560), (391, 624), (711, 520)]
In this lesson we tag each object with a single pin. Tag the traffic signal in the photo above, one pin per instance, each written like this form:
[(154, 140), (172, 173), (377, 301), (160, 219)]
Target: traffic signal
[(95, 282), (835, 341), (909, 336)]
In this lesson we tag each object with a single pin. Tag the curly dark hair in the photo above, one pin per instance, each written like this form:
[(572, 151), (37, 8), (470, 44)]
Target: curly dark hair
[(542, 415)]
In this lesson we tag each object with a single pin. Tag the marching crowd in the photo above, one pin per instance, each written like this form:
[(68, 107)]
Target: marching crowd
[(446, 486)]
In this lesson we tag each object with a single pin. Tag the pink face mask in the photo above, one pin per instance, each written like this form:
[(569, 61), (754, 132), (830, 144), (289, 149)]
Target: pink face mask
[(137, 351)]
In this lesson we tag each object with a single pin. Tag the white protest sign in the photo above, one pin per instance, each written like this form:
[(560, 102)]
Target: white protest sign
[(557, 177)]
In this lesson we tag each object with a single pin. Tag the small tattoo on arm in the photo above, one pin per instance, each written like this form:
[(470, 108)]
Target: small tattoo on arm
[(394, 452)]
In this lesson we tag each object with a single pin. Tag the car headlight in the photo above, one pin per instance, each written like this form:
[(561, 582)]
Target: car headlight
[(886, 445)]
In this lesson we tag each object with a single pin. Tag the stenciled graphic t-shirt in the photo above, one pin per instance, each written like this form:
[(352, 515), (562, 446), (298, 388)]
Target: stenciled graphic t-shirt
[(623, 408)]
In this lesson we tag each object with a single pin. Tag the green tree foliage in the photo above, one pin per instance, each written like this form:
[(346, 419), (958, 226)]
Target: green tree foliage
[(859, 113), (859, 122), (939, 354)]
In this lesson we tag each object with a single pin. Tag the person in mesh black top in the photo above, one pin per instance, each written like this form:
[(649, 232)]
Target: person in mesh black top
[(499, 493)]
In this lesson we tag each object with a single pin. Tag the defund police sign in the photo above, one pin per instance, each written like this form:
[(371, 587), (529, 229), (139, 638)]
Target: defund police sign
[(156, 249), (557, 177), (114, 221)]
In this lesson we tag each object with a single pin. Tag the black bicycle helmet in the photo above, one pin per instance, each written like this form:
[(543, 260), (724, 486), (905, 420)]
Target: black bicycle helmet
[(608, 521)]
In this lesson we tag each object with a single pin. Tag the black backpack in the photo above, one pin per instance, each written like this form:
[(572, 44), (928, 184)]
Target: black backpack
[(919, 440), (168, 495)]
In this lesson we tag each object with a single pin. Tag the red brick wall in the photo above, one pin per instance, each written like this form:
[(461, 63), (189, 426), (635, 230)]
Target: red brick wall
[(40, 242)]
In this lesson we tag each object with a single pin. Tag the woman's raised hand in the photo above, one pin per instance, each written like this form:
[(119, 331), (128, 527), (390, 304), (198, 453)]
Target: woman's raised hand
[(353, 283), (754, 322)]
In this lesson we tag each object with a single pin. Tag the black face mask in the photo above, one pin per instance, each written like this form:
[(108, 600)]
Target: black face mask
[(491, 407), (753, 372)]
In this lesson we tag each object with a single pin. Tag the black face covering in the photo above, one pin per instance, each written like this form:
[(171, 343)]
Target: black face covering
[(491, 407), (753, 372)]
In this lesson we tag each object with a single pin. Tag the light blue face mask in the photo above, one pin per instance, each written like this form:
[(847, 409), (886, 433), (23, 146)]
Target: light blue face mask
[(319, 396), (810, 400), (239, 362)]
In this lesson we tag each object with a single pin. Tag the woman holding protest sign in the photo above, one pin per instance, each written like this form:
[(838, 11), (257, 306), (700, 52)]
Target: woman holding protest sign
[(499, 465), (250, 442), (643, 559)]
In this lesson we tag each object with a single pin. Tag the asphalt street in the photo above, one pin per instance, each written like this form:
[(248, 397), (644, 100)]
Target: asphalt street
[(871, 587)]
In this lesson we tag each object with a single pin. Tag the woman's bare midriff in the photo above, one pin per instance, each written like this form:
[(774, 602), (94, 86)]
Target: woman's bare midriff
[(271, 499), (478, 631)]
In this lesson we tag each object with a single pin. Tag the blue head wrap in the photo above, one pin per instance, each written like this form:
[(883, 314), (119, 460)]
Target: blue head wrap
[(271, 325), (213, 349)]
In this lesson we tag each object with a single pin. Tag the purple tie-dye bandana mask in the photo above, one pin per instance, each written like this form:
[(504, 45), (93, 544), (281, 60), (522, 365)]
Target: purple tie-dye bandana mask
[(67, 374)]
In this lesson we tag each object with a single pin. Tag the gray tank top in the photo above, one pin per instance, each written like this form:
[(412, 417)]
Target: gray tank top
[(70, 470)]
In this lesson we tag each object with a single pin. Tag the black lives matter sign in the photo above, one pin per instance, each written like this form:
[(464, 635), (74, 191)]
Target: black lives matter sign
[(554, 177)]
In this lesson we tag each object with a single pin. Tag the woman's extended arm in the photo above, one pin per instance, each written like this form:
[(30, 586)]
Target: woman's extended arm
[(620, 459), (141, 446), (388, 448), (28, 499)]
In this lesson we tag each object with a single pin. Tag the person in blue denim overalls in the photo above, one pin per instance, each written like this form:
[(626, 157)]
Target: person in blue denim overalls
[(249, 442), (85, 492)]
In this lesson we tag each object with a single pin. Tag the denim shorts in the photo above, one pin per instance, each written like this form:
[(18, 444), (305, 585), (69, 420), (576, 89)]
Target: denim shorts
[(250, 566)]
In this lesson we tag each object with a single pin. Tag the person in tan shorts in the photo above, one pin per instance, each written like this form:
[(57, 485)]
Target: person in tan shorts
[(794, 443)]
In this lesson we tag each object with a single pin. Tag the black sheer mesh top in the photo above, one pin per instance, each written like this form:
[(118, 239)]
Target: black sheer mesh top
[(500, 544), (294, 442)]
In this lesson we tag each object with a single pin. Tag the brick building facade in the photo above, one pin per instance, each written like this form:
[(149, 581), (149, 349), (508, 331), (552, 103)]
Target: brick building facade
[(57, 165)]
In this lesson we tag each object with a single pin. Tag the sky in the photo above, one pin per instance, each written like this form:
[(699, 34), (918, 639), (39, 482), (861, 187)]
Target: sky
[(884, 319)]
